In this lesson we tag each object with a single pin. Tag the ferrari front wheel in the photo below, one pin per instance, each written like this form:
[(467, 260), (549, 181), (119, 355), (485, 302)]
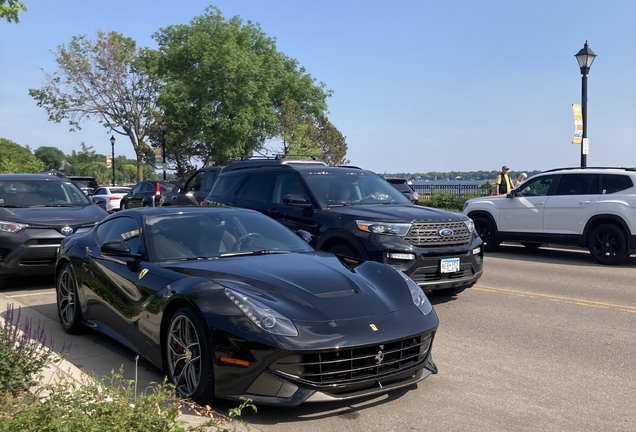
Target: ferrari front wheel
[(189, 358), (68, 307)]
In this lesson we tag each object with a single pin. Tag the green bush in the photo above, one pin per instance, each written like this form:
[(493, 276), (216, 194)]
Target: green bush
[(110, 404)]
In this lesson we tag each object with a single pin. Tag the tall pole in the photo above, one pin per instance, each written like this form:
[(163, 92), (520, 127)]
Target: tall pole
[(112, 144), (584, 115), (163, 151)]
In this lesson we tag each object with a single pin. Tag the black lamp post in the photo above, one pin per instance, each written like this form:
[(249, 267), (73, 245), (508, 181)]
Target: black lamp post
[(163, 148), (585, 57), (112, 144)]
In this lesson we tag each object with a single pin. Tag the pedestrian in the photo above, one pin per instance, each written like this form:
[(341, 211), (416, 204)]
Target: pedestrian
[(503, 184), (522, 177)]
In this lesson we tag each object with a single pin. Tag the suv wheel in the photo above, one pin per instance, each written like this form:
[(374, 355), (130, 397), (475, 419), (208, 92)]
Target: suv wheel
[(343, 249), (488, 233), (607, 244)]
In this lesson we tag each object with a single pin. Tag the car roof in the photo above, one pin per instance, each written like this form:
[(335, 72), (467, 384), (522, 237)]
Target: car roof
[(269, 163), (595, 170), (31, 177)]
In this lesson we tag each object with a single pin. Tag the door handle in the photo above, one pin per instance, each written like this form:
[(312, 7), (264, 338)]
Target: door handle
[(584, 202), (539, 204)]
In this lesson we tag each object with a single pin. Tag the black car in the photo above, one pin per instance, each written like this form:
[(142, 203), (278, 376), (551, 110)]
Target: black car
[(231, 303), (153, 193), (404, 186), (356, 213), (37, 211), (87, 184)]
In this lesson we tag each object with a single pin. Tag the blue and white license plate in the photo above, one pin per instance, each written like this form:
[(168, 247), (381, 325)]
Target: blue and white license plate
[(450, 265)]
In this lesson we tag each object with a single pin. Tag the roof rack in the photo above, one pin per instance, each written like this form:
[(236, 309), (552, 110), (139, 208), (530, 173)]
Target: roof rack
[(266, 162), (579, 168)]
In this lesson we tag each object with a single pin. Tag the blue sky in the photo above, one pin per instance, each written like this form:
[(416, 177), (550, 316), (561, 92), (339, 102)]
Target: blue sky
[(418, 86)]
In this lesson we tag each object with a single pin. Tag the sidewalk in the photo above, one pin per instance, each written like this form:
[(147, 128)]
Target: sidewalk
[(88, 356)]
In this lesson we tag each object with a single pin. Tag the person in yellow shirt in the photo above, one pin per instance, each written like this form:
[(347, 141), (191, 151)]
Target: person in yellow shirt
[(503, 184)]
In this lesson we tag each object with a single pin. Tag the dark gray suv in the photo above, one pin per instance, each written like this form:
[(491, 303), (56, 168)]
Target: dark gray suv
[(356, 213)]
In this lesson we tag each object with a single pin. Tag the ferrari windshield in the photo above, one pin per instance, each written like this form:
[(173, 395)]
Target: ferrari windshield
[(211, 234), (352, 187), (41, 193)]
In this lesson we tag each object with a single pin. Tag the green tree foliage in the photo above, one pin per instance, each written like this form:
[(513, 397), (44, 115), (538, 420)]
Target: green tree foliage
[(11, 10), (52, 157), (107, 80), (226, 85), (17, 159)]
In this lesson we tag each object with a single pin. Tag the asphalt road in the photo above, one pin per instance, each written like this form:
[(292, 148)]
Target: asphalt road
[(545, 342)]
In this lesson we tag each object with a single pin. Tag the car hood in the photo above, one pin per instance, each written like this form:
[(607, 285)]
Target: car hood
[(495, 201), (308, 286), (53, 216), (399, 212)]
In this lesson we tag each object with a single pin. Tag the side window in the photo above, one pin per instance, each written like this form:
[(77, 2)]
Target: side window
[(101, 191), (578, 184), (147, 187), (209, 180), (256, 188), (223, 186), (195, 183), (136, 188), (287, 184), (615, 183), (537, 187), (122, 228)]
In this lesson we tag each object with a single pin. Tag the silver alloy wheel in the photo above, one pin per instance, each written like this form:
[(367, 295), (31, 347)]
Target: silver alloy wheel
[(66, 298), (184, 355)]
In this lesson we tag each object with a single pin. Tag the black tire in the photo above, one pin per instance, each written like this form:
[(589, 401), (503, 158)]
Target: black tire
[(607, 244), (123, 206), (344, 250), (69, 310), (449, 291), (189, 362), (146, 204), (532, 245), (488, 233)]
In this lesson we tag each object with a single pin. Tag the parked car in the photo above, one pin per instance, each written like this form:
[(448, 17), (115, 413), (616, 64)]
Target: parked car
[(112, 196), (588, 207), (37, 211), (87, 184), (356, 213), (155, 193), (404, 186), (230, 303)]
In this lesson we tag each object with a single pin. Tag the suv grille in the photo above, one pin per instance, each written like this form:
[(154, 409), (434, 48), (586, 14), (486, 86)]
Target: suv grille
[(428, 234), (344, 366)]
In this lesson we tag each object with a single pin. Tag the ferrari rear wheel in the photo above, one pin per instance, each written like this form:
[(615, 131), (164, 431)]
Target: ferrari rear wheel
[(68, 308), (189, 358)]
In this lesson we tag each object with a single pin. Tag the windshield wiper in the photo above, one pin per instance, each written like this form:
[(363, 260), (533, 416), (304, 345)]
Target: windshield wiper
[(10, 206), (253, 252)]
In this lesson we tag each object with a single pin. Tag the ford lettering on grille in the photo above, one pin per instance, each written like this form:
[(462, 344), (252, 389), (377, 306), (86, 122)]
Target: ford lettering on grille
[(446, 232)]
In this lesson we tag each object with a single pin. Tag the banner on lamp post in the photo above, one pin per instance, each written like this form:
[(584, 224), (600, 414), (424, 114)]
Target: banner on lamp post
[(578, 124), (158, 157), (586, 146), (109, 161)]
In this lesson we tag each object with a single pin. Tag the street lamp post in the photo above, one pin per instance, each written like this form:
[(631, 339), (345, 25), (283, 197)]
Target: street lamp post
[(112, 144), (163, 148), (585, 57)]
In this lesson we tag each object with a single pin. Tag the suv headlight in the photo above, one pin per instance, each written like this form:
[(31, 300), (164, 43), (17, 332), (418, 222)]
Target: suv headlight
[(11, 227), (470, 225), (398, 229), (261, 315), (418, 296)]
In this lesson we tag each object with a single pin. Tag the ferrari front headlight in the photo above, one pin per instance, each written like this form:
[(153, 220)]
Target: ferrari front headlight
[(418, 296), (262, 316)]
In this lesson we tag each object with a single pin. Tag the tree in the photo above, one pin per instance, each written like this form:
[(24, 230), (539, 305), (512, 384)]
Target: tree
[(11, 10), (108, 80), (52, 157), (17, 159), (225, 84)]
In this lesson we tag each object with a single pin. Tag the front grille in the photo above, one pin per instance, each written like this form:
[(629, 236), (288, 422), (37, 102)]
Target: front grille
[(345, 366), (428, 234), (44, 242)]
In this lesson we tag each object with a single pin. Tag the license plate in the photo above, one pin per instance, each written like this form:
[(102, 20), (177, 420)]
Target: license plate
[(450, 265)]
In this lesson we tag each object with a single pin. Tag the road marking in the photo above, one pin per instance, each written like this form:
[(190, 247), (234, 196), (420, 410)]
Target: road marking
[(31, 294), (580, 302)]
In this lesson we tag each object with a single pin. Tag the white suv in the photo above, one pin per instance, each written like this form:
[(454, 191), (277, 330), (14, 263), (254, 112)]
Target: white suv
[(589, 207)]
